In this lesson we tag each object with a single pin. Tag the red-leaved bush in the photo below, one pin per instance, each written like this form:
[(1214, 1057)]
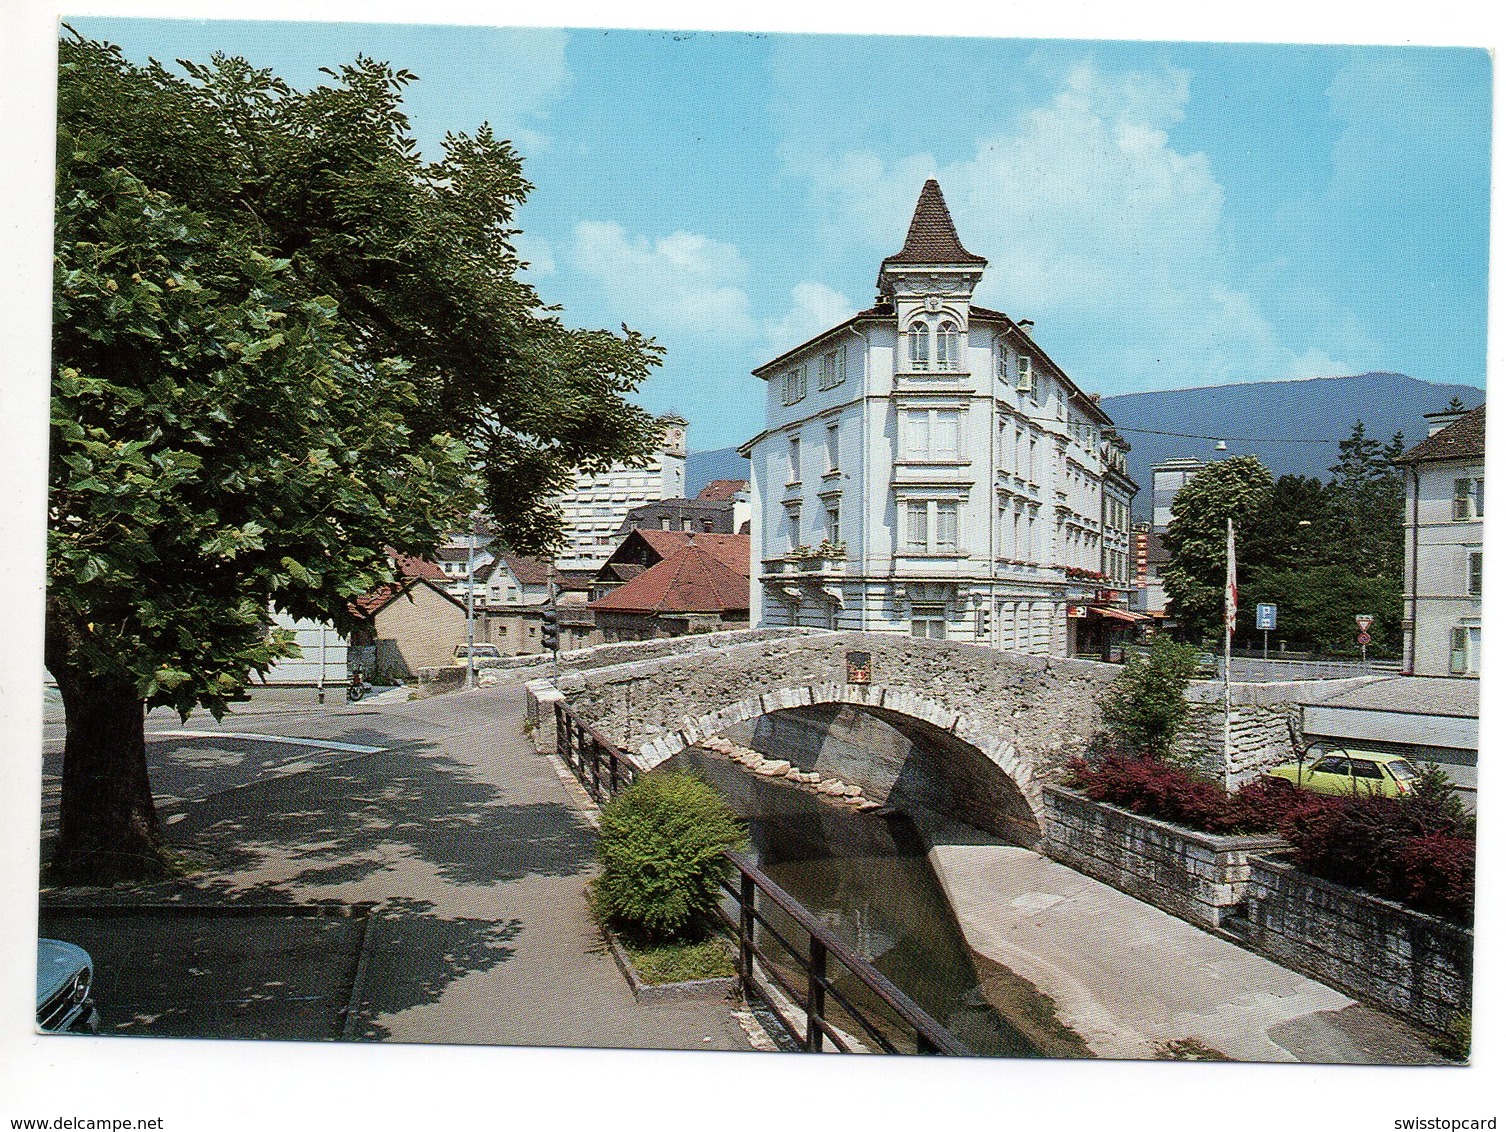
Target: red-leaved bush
[(1437, 874), (1416, 850)]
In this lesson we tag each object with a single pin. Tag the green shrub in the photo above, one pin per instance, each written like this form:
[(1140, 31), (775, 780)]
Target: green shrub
[(661, 856), (1147, 705)]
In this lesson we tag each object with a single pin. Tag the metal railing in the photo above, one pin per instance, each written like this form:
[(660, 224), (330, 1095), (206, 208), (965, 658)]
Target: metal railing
[(601, 768), (604, 770), (814, 1001)]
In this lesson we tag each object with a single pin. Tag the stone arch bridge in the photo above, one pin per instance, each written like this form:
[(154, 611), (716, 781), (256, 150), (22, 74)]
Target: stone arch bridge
[(958, 727)]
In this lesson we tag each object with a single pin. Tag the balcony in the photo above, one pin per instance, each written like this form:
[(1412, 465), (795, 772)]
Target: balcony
[(828, 559)]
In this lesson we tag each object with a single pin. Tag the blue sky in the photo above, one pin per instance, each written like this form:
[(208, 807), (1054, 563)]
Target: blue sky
[(1168, 214)]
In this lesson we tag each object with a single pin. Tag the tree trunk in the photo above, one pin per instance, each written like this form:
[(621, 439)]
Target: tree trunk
[(108, 828)]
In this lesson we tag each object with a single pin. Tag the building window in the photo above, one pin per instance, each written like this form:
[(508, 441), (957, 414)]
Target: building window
[(928, 621), (1464, 650), (794, 459), (932, 434), (931, 525), (794, 385), (664, 523), (916, 526), (834, 522), (920, 346), (1476, 572), (833, 449), (1469, 499), (946, 525), (833, 369), (792, 514), (947, 347)]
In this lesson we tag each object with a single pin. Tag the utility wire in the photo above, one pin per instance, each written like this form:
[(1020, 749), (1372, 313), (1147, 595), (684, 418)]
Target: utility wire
[(1236, 439)]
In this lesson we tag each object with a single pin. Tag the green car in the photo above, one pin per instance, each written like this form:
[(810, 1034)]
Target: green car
[(1350, 772)]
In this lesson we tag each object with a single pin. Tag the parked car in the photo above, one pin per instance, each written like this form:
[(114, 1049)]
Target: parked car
[(478, 651), (1344, 771), (65, 975)]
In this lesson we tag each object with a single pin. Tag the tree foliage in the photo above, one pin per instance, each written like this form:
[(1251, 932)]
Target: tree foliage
[(282, 342), (1320, 552), (1147, 704), (661, 847), (1238, 488)]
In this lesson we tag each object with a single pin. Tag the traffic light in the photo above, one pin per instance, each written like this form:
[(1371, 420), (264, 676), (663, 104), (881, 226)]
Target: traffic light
[(551, 629)]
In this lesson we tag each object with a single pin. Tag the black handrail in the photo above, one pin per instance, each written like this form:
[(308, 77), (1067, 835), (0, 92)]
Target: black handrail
[(603, 770)]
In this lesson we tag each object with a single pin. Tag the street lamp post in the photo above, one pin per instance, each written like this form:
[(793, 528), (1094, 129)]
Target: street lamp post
[(470, 610)]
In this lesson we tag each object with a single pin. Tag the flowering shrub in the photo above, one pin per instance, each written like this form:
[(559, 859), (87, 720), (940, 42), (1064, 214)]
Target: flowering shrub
[(1418, 850)]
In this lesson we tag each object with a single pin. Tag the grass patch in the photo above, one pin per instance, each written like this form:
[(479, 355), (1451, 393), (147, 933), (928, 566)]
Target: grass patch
[(680, 962)]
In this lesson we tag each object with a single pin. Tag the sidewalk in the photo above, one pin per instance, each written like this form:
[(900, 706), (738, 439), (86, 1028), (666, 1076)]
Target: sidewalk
[(1132, 979), (464, 838)]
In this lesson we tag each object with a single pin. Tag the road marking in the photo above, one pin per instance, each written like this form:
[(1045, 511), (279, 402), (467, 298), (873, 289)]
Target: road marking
[(321, 744)]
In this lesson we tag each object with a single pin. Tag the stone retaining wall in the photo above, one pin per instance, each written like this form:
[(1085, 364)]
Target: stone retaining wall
[(1263, 720), (1199, 877), (1418, 966)]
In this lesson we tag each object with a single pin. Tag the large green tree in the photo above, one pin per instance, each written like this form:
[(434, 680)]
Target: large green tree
[(283, 341), (1238, 489)]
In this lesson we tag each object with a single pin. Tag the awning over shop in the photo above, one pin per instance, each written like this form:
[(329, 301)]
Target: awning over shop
[(1117, 614)]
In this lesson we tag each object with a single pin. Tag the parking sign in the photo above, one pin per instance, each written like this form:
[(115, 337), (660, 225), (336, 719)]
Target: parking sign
[(1265, 617)]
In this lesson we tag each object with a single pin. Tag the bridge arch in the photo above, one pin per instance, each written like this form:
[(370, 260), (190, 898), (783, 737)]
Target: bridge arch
[(987, 780), (997, 726)]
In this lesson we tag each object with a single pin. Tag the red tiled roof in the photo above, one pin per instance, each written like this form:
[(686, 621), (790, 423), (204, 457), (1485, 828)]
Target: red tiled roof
[(933, 237), (722, 489), (409, 567), (528, 571), (1462, 440), (693, 579), (408, 570), (733, 551)]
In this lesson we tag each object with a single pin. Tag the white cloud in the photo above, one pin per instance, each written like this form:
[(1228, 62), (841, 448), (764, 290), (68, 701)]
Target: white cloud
[(536, 252), (1091, 219), (814, 307), (684, 282), (691, 285)]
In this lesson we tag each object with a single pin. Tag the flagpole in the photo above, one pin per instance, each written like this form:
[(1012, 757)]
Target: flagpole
[(1231, 604)]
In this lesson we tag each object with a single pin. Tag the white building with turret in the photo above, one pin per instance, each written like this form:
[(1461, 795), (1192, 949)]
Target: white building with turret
[(927, 469)]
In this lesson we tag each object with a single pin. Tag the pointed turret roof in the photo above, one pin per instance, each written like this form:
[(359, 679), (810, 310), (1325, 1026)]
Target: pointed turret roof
[(933, 237)]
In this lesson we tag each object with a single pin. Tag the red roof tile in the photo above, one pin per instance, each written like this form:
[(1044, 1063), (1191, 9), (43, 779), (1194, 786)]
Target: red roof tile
[(933, 237), (408, 570), (1462, 440), (722, 489), (693, 579), (734, 551), (528, 571)]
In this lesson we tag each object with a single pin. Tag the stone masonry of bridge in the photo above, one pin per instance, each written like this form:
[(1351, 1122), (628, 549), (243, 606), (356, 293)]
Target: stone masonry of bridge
[(1001, 724)]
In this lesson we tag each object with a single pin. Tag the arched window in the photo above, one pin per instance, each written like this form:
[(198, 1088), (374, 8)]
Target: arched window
[(920, 346), (946, 346)]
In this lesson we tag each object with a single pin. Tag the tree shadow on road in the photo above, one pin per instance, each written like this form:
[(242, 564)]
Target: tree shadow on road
[(280, 837)]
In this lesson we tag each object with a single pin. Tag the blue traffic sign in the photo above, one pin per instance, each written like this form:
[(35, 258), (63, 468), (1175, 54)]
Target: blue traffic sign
[(1265, 617)]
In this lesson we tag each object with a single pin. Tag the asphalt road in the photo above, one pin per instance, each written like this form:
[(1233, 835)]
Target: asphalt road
[(388, 870)]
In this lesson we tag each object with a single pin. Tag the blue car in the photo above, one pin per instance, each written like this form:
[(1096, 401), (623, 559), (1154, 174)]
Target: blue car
[(65, 975)]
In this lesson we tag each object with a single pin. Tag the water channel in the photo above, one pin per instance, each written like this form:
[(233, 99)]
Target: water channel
[(867, 879)]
